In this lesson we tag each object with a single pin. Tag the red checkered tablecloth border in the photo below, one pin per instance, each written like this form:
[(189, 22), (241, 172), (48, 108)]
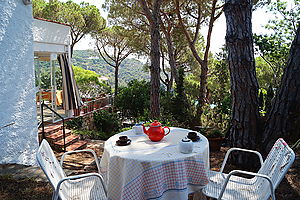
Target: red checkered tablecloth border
[(156, 180)]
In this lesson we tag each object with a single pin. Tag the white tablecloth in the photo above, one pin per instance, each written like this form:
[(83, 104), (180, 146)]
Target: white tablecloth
[(154, 170)]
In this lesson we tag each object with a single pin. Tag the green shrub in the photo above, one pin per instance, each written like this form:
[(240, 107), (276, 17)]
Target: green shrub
[(75, 123), (107, 122), (125, 129), (214, 133), (166, 120), (134, 100), (181, 107), (95, 135)]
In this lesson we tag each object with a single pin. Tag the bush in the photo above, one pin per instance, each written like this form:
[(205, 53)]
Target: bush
[(96, 135), (75, 123), (134, 100), (125, 129), (107, 122), (166, 120), (214, 133), (181, 107)]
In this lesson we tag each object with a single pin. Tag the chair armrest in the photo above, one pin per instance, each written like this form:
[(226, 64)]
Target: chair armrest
[(239, 149), (247, 173), (79, 151), (55, 195)]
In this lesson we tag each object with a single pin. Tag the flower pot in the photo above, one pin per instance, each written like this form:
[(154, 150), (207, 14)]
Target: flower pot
[(76, 112), (215, 143), (85, 110), (96, 105), (91, 106)]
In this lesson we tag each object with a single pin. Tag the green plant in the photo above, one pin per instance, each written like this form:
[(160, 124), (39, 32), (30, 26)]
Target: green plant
[(92, 134), (45, 76), (75, 123), (125, 129), (218, 110), (166, 120), (181, 108), (107, 122), (215, 133), (88, 83), (133, 100)]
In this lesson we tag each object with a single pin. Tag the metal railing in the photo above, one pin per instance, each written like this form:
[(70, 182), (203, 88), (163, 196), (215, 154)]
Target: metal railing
[(92, 105), (43, 126)]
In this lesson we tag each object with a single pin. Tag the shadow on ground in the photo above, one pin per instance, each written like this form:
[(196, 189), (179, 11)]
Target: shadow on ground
[(15, 184)]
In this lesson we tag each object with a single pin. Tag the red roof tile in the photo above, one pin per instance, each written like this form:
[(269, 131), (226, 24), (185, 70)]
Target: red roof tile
[(48, 20)]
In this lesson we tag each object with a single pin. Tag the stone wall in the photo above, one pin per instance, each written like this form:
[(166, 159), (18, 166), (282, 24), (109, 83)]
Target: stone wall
[(88, 119), (88, 122), (18, 125)]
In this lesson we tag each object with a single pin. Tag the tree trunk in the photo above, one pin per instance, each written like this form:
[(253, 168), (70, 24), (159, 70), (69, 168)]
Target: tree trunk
[(153, 18), (202, 93), (204, 67), (155, 67), (202, 62), (284, 117), (116, 79), (71, 49), (244, 85), (172, 61)]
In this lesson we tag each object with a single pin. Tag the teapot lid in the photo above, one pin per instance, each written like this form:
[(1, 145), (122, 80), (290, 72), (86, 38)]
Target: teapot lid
[(155, 124)]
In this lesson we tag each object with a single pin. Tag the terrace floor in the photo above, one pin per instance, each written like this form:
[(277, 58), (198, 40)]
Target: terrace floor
[(21, 182), (48, 113)]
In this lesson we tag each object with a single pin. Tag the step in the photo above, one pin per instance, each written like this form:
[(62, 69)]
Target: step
[(77, 145), (51, 129), (69, 140), (58, 135)]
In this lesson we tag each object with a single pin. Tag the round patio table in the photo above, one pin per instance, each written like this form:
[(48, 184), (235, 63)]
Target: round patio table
[(154, 170)]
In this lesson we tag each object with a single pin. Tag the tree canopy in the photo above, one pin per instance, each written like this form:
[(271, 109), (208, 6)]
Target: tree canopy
[(89, 84), (274, 46), (114, 47)]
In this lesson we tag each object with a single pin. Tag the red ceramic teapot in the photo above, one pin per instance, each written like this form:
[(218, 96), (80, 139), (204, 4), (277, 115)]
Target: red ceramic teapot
[(156, 132)]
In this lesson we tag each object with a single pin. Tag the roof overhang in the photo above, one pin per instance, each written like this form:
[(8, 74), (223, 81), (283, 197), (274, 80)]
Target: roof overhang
[(50, 38)]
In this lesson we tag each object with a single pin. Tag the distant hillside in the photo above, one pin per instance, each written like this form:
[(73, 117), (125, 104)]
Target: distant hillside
[(130, 68)]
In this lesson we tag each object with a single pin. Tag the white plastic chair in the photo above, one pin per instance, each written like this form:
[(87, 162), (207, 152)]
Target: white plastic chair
[(262, 186), (89, 186)]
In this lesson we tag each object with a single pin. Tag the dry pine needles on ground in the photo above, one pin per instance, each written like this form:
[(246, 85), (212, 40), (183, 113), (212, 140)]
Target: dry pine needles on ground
[(30, 189)]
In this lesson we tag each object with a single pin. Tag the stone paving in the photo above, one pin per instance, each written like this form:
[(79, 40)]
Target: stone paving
[(74, 164), (16, 171)]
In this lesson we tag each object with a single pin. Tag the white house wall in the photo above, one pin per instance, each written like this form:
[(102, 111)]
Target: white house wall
[(18, 142), (50, 33), (40, 48)]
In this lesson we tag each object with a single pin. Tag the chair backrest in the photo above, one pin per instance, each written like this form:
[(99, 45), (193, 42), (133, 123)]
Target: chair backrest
[(49, 164), (278, 161), (276, 165)]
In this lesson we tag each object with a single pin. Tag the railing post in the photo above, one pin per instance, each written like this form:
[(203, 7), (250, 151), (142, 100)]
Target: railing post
[(42, 115), (64, 134)]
